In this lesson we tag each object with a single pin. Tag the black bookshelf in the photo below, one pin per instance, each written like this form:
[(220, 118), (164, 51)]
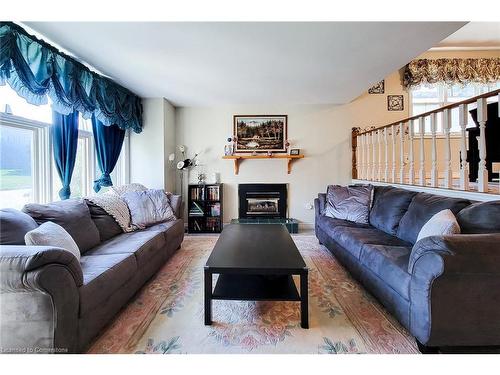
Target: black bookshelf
[(205, 208)]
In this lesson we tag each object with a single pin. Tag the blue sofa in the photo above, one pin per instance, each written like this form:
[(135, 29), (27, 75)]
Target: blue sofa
[(444, 289)]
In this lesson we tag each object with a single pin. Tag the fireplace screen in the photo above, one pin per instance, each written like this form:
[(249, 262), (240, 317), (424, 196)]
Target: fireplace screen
[(262, 201), (262, 206)]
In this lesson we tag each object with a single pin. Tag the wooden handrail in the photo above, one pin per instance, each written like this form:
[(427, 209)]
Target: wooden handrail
[(437, 110)]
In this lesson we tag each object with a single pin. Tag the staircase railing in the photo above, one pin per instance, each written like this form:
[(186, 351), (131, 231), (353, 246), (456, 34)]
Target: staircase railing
[(387, 154)]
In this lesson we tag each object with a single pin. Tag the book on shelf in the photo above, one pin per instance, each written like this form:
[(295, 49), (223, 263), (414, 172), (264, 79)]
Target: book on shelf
[(215, 209), (196, 209), (197, 193), (212, 224), (197, 226), (213, 193)]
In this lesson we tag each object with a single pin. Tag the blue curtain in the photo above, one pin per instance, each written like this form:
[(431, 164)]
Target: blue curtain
[(108, 144), (38, 71), (64, 132)]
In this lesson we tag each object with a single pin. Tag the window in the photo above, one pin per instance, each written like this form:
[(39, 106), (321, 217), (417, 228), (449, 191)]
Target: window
[(426, 99), (27, 168), (16, 166)]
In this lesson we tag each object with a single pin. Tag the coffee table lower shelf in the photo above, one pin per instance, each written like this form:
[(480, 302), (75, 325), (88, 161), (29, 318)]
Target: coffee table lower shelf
[(255, 288), (251, 287)]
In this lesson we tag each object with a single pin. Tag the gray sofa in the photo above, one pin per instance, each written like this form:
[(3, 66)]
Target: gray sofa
[(444, 289), (51, 302)]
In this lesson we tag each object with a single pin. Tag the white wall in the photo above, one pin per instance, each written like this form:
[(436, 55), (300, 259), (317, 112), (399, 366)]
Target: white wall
[(149, 150)]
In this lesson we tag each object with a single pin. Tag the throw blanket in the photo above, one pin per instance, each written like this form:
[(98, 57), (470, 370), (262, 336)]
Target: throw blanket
[(115, 206)]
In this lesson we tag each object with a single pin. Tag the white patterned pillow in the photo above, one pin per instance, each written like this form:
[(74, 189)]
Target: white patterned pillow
[(115, 206), (52, 234), (441, 224), (122, 189)]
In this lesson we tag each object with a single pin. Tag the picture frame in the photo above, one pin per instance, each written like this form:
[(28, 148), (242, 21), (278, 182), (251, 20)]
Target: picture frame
[(395, 103), (260, 133), (295, 151), (378, 88)]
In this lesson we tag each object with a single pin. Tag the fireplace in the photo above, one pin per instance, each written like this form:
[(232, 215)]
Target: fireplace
[(262, 201)]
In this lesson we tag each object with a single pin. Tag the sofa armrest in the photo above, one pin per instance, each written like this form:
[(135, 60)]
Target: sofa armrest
[(455, 290), (16, 261), (319, 204), (469, 253), (39, 298)]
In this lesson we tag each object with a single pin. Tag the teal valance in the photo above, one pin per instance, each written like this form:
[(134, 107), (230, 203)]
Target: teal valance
[(36, 70)]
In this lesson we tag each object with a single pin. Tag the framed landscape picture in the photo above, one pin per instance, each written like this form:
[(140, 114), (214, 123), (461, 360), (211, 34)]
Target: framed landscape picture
[(260, 133)]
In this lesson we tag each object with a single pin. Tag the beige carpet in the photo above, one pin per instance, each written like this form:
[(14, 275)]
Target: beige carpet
[(166, 316)]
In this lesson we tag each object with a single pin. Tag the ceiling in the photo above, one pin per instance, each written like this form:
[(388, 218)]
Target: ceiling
[(247, 63), (476, 35)]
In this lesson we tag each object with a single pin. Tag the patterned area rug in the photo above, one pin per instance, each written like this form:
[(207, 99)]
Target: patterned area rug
[(166, 316)]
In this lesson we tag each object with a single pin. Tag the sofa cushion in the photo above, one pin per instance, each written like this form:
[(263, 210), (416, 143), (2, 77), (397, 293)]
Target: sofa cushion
[(142, 244), (349, 202), (327, 224), (390, 264), (480, 218), (102, 276), (353, 239), (389, 206), (421, 209), (105, 223), (73, 215), (14, 225), (175, 202), (170, 229)]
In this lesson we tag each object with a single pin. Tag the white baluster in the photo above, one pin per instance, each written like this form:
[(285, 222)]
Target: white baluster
[(358, 156), (448, 176), (434, 173), (464, 165), (421, 173), (393, 142), (379, 170), (374, 155), (482, 117), (386, 155), (401, 154), (411, 172), (365, 157), (361, 162)]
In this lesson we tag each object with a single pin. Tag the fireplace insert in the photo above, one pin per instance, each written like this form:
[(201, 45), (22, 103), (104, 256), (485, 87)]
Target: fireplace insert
[(262, 201)]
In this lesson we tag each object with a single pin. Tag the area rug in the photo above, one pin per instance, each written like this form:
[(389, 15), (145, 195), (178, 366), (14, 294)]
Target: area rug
[(166, 316)]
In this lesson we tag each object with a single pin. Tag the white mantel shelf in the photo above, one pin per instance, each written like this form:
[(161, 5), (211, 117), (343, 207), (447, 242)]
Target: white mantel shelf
[(238, 158)]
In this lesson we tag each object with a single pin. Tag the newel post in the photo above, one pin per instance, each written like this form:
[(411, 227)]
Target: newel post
[(482, 117), (354, 143)]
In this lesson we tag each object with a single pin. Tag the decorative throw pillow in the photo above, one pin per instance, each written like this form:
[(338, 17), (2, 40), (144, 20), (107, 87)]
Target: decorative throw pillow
[(441, 224), (106, 224), (71, 214), (51, 234), (14, 225), (115, 206), (122, 189), (350, 203), (148, 207)]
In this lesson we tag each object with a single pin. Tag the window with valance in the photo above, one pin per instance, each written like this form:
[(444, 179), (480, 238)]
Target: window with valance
[(39, 84), (425, 72), (38, 71)]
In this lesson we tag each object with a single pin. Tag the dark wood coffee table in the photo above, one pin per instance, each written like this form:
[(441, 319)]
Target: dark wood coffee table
[(256, 262)]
